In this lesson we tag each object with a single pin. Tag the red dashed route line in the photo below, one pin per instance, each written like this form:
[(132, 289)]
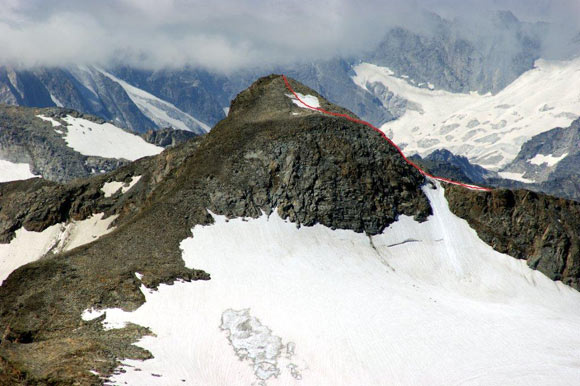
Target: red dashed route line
[(447, 180)]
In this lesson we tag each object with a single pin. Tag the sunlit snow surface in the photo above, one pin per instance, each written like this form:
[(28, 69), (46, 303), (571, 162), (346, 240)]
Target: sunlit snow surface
[(110, 188), (488, 129), (516, 177), (106, 140), (305, 101), (420, 304), (53, 121), (10, 171), (550, 159)]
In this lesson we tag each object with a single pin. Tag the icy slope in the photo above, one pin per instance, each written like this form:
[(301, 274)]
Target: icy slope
[(159, 111), (420, 304), (488, 129), (106, 140)]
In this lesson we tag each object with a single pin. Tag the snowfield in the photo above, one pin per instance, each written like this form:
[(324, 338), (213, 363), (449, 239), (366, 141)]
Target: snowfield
[(488, 129), (10, 171), (28, 246), (421, 304), (106, 140)]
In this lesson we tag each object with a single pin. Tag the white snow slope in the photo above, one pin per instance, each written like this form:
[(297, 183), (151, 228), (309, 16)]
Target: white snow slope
[(421, 304), (488, 129), (29, 246), (159, 111), (10, 171), (106, 140), (309, 101)]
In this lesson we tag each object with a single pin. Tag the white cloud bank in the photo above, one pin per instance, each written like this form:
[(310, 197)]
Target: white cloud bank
[(222, 35)]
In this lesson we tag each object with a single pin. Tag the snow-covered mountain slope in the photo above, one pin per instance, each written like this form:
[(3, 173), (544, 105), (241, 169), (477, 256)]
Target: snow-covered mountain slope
[(488, 129), (347, 289), (105, 140), (163, 113), (315, 306)]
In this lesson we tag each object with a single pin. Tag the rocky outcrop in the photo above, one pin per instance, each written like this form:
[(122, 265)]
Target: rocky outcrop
[(540, 229), (168, 137), (443, 163)]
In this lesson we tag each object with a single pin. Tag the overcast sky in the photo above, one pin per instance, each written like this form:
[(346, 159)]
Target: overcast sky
[(224, 35)]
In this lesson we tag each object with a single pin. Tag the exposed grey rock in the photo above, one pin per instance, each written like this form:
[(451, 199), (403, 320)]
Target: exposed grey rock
[(443, 163), (452, 58), (168, 137)]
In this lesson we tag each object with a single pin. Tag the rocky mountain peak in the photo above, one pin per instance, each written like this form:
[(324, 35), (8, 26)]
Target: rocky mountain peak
[(269, 154), (269, 98)]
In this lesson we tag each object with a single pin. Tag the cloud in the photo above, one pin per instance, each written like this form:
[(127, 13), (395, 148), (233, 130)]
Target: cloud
[(225, 35)]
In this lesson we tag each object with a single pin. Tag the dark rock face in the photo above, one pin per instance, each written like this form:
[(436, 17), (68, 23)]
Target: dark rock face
[(443, 163), (168, 137), (268, 154), (541, 229)]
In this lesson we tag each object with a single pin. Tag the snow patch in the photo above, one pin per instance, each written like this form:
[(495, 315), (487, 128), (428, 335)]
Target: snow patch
[(28, 246), (306, 101), (522, 114), (110, 188), (422, 303), (77, 233), (516, 177), (10, 171), (106, 140), (92, 314), (54, 122), (549, 159)]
